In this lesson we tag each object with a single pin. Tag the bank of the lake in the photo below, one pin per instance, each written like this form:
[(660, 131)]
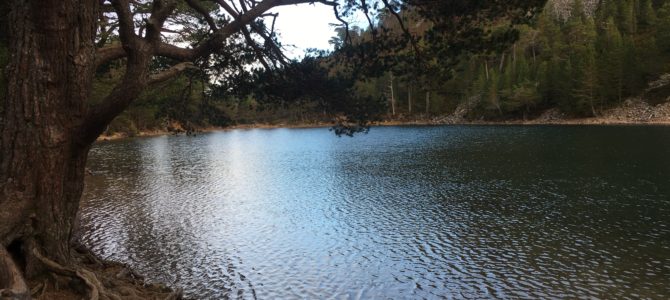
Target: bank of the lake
[(631, 112)]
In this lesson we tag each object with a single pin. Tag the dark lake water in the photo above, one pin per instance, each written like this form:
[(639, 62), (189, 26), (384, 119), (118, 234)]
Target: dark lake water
[(402, 213)]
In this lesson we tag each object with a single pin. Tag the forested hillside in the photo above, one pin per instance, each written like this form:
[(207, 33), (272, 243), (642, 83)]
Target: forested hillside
[(577, 56)]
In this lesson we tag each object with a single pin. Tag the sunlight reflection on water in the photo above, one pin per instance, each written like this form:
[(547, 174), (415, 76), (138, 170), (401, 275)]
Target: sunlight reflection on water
[(404, 212)]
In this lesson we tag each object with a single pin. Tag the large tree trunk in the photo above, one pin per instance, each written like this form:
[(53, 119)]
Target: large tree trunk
[(42, 157)]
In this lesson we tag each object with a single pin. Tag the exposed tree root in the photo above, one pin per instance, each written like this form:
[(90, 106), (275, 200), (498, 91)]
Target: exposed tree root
[(12, 285), (88, 277)]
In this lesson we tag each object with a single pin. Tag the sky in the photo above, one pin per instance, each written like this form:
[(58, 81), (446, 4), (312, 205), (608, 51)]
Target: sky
[(305, 26)]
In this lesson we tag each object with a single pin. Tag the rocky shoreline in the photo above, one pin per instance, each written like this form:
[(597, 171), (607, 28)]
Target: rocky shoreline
[(631, 112)]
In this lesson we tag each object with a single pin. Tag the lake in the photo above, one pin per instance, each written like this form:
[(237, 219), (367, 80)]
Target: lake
[(401, 213)]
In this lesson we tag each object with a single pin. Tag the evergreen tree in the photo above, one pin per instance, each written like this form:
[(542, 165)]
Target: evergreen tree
[(583, 64), (523, 96), (586, 83), (646, 49), (611, 62), (647, 15), (627, 16), (493, 94), (634, 80), (663, 28)]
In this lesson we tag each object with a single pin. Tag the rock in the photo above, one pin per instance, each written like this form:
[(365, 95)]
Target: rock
[(550, 115), (659, 90), (562, 9)]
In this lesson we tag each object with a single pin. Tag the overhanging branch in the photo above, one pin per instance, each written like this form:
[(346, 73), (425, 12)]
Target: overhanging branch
[(171, 72), (126, 24), (216, 41), (203, 12), (140, 51), (109, 53)]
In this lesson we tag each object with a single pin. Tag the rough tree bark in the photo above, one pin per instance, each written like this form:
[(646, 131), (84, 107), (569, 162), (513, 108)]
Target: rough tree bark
[(42, 159), (47, 129)]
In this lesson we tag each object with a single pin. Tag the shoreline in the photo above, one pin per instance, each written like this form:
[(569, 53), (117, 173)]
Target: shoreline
[(571, 122), (633, 112), (154, 133), (417, 122), (420, 122)]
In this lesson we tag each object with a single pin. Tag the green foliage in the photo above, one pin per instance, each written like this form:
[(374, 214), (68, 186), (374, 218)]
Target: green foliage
[(586, 82), (310, 82), (647, 17), (583, 64), (496, 57), (522, 97), (182, 100), (663, 28)]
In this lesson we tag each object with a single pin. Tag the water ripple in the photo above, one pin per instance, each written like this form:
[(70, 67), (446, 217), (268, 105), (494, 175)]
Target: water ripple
[(420, 213)]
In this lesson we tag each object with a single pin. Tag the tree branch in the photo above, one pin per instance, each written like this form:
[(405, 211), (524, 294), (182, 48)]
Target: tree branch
[(104, 35), (171, 72), (126, 24), (229, 9), (408, 35), (267, 37), (259, 52), (111, 106), (203, 12), (215, 42), (140, 52), (109, 53), (174, 52), (159, 13), (367, 16)]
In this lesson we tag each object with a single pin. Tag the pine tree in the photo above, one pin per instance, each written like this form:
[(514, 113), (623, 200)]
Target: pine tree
[(610, 62), (634, 79), (587, 85), (663, 28), (647, 15), (524, 96), (646, 49), (493, 92), (585, 72), (550, 37), (627, 17)]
